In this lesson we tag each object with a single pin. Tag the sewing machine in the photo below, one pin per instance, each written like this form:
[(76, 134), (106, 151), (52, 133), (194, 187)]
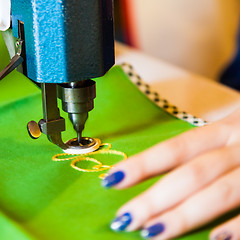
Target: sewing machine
[(60, 45)]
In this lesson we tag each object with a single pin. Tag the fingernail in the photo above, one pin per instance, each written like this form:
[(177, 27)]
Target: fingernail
[(113, 179), (223, 236), (153, 230), (121, 223)]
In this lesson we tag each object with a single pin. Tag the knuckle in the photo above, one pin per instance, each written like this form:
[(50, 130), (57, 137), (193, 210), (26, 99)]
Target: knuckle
[(225, 191), (183, 223), (182, 144), (148, 203), (195, 174), (176, 149), (141, 208), (144, 166), (136, 168)]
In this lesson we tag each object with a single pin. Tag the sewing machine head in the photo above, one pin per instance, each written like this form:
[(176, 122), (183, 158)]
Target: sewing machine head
[(64, 44)]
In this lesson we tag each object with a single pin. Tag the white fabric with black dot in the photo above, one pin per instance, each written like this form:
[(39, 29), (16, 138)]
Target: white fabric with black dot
[(160, 102)]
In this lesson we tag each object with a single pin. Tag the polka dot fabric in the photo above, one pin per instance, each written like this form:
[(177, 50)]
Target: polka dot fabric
[(160, 102)]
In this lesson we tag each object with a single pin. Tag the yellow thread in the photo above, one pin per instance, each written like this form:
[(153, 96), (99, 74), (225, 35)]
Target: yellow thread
[(103, 176), (100, 168), (109, 146), (79, 159), (57, 159), (84, 157)]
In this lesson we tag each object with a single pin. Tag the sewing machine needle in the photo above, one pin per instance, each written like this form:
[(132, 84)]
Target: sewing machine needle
[(79, 137)]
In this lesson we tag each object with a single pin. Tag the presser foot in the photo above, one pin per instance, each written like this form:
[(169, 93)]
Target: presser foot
[(87, 145)]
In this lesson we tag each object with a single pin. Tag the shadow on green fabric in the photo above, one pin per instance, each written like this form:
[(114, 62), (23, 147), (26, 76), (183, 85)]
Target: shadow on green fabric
[(42, 199)]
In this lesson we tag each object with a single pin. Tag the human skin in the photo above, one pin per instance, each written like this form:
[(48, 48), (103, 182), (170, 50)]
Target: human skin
[(202, 182)]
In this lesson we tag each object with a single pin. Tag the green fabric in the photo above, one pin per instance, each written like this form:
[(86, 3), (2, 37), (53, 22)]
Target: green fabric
[(42, 199)]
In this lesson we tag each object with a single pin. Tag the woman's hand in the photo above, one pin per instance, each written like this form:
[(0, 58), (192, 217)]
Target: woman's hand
[(203, 183)]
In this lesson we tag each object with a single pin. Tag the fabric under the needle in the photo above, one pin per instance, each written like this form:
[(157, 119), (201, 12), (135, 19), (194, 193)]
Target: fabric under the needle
[(42, 199)]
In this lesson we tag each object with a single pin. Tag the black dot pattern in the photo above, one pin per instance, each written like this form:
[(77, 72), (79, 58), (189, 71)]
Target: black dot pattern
[(160, 102)]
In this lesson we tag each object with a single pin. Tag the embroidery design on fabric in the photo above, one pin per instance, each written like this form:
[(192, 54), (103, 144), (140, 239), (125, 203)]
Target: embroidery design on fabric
[(105, 148)]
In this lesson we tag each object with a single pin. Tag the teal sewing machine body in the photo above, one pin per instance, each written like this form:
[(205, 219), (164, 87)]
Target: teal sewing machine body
[(63, 44), (65, 41)]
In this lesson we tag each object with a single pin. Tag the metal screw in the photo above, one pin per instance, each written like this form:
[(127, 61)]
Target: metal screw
[(34, 130)]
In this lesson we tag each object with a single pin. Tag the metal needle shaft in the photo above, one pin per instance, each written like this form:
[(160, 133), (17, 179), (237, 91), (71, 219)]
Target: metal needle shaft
[(79, 137), (78, 120)]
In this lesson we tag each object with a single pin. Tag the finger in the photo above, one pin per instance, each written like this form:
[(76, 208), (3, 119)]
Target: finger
[(205, 206), (180, 184), (167, 155), (227, 231)]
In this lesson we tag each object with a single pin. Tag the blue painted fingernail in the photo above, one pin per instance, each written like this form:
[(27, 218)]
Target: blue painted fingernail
[(113, 179), (223, 236), (120, 223), (153, 230)]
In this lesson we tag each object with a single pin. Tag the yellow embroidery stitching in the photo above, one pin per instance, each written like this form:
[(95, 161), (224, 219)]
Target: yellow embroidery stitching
[(86, 157)]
